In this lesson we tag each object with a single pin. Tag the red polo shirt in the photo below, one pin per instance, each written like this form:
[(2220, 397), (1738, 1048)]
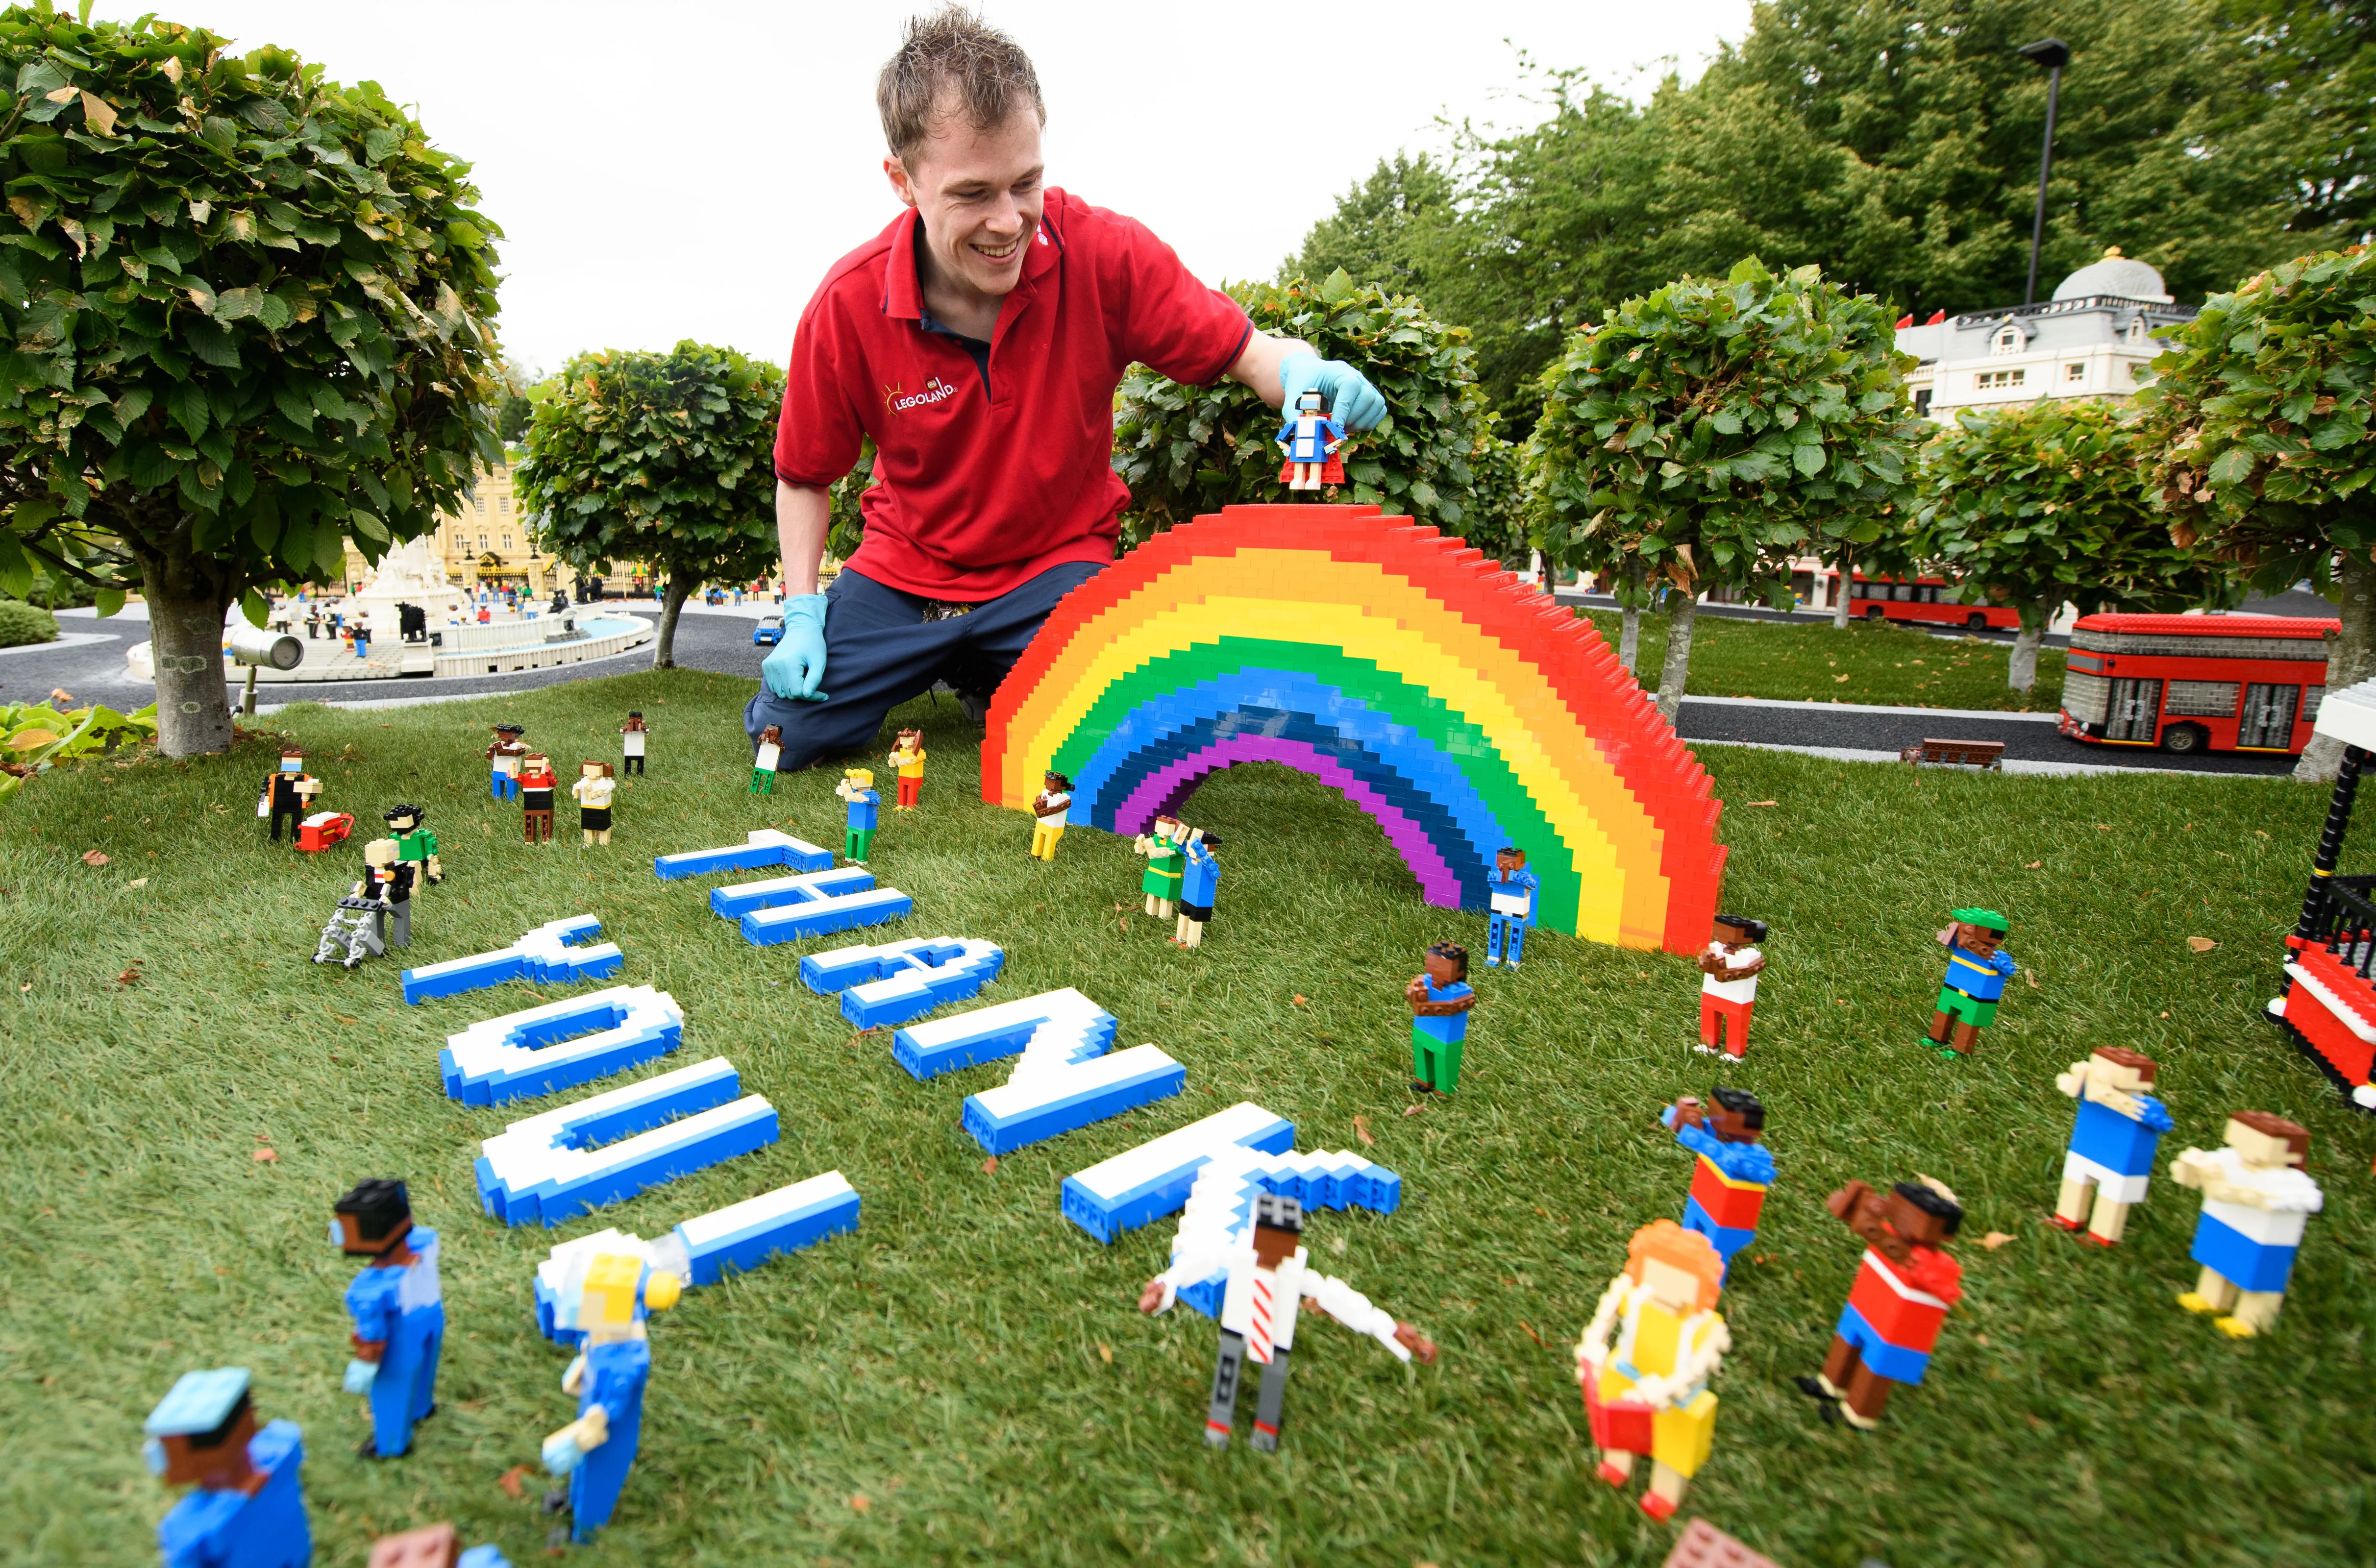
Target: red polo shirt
[(984, 486)]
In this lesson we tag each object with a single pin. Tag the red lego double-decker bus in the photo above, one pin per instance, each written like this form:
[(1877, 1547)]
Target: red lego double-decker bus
[(2195, 683), (1918, 599)]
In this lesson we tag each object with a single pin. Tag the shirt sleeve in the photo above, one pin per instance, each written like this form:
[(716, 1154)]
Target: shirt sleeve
[(1169, 320), (1353, 1310), (1189, 1268), (818, 435)]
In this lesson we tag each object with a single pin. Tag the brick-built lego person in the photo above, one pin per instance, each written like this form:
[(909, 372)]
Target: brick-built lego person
[(1733, 1169), (1200, 883), (1903, 1286), (1440, 999), (1049, 809), (504, 762), (398, 1309), (1645, 1359), (434, 1546), (2257, 1201), (363, 631), (862, 809), (387, 881), (1729, 966), (1311, 439), (415, 845), (595, 787), (908, 761), (248, 1510), (611, 1301), (1512, 889), (1270, 1278), (631, 735), (1165, 865), (289, 792), (2112, 1143), (1978, 966), (763, 761), (537, 785)]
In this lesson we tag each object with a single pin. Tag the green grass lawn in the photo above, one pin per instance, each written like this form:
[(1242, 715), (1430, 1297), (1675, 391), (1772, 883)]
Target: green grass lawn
[(965, 1380), (1871, 661)]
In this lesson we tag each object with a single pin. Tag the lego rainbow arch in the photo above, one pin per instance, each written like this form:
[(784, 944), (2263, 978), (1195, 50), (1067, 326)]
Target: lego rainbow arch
[(1459, 709)]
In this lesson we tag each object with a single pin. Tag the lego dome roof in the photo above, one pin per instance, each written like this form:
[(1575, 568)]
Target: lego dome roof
[(2116, 274)]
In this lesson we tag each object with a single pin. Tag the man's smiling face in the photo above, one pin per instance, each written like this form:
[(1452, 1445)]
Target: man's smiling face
[(979, 195)]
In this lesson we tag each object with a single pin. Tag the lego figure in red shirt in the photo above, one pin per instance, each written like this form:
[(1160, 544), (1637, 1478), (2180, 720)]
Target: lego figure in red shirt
[(537, 783), (1903, 1289), (977, 341)]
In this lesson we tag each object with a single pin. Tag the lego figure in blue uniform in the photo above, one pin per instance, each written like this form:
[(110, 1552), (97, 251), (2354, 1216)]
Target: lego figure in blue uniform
[(610, 1301), (1729, 1179), (2112, 1143), (857, 787), (1309, 438), (399, 1311), (1513, 888), (1977, 970), (247, 1512), (1198, 884)]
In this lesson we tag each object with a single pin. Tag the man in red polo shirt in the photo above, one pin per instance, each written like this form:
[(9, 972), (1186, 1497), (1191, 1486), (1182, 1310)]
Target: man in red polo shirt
[(979, 340)]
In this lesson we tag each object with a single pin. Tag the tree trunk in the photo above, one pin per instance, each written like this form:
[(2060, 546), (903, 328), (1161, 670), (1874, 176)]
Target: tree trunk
[(1629, 635), (1683, 607), (2351, 659), (664, 645), (187, 600), (1840, 594), (2021, 671)]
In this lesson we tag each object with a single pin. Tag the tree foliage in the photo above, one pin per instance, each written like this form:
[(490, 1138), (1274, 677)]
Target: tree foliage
[(664, 459), (1436, 456)]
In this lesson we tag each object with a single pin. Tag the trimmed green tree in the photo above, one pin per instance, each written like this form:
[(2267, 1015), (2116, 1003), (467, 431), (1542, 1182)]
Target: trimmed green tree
[(1436, 456), (2264, 448), (245, 316), (664, 459), (1701, 437)]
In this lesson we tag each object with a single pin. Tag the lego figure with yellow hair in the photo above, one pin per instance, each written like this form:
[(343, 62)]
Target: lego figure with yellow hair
[(857, 787), (1645, 1359), (607, 1304)]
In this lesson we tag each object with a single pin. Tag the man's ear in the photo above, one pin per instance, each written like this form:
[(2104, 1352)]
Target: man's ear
[(897, 173)]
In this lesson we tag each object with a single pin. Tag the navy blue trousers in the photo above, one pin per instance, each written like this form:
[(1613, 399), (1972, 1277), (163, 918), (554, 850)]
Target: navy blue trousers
[(880, 651)]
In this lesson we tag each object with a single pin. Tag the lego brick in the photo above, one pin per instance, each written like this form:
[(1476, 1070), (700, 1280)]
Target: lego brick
[(765, 846), (986, 1034), (575, 1158), (542, 1049), (895, 982), (1141, 1185), (823, 916), (547, 955), (1042, 1105), (1220, 1209), (807, 887)]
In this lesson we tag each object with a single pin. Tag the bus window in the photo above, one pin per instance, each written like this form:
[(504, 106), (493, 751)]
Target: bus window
[(2269, 717), (1904, 593), (2136, 711)]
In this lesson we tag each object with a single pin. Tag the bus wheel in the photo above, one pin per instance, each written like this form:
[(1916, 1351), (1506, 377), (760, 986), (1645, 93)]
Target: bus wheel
[(1975, 621), (2184, 737), (1874, 612)]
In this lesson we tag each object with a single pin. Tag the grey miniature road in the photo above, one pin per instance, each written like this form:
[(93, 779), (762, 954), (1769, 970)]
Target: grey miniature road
[(1857, 734)]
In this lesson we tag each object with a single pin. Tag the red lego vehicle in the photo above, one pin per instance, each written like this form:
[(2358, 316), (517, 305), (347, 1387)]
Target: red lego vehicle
[(2196, 683), (321, 830), (1923, 600)]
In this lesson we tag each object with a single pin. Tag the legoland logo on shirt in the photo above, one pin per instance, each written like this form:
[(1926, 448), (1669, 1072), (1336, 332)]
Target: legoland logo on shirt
[(935, 389)]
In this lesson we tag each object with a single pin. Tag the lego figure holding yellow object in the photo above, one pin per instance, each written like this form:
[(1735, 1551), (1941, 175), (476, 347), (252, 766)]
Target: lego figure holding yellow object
[(1165, 865), (907, 759), (857, 787), (608, 1304), (595, 787), (2257, 1201), (1645, 1359), (1049, 809)]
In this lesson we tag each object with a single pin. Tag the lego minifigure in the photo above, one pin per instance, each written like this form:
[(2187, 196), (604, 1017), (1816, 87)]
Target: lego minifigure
[(608, 1302), (1440, 999), (1270, 1278), (595, 786), (857, 787), (436, 1546), (2257, 1201), (387, 881), (399, 1310), (1733, 1170), (363, 634), (1645, 1359), (907, 757), (1977, 970), (537, 784), (503, 759), (2111, 1152), (248, 1510), (415, 844), (631, 743), (1513, 888), (289, 792), (1198, 881), (1903, 1289), (1728, 971), (1309, 438), (1049, 810), (763, 761), (1164, 865)]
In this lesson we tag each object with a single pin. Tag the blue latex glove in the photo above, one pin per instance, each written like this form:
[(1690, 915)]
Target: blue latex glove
[(1352, 401), (361, 1375), (561, 1453), (797, 665)]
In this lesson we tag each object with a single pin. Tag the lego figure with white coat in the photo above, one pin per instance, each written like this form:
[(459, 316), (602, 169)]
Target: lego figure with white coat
[(1728, 969), (593, 793), (631, 735), (1511, 888), (504, 758), (607, 1298), (289, 792), (1049, 810), (2257, 1201), (1309, 438), (248, 1510), (399, 1310), (763, 760), (2111, 1151)]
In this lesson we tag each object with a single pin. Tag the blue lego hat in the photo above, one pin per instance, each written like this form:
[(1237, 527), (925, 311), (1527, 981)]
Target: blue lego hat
[(198, 1403)]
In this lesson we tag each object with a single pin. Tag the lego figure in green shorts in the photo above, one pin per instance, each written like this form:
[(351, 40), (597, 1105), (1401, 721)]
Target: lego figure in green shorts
[(1440, 999), (857, 787), (1976, 970)]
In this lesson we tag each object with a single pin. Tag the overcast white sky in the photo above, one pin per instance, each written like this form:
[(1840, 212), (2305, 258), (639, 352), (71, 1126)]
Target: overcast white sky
[(690, 170)]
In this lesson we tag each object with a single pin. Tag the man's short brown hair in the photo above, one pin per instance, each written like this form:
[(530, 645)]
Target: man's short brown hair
[(953, 63)]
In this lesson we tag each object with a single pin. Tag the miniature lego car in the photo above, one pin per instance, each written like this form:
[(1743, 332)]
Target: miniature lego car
[(321, 830), (769, 632)]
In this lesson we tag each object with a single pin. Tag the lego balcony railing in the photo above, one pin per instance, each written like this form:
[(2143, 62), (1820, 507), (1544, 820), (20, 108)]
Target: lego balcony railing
[(2329, 1007)]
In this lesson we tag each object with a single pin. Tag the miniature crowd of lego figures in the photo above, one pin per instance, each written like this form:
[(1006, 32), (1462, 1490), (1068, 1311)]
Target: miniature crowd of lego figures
[(515, 773)]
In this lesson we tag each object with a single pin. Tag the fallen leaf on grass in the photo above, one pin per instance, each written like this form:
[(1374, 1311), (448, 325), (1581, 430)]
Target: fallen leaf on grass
[(1299, 1000), (265, 1157), (1764, 803), (129, 977), (342, 1018), (138, 881), (59, 694), (1531, 1334), (1994, 1239), (2034, 985), (510, 1480), (860, 1502), (1362, 1131), (1838, 679), (2165, 1015), (2103, 827), (1413, 1110), (1104, 1353), (2033, 866), (990, 1165), (2200, 944), (93, 857)]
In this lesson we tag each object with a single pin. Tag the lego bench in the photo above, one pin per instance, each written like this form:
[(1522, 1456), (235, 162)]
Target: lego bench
[(1988, 755)]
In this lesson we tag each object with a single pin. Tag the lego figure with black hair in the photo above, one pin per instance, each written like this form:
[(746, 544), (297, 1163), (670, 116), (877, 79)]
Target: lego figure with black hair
[(1645, 1359), (432, 1546), (1311, 440), (631, 744), (2111, 1152), (2257, 1201), (248, 1510), (399, 1311), (387, 881), (1512, 889), (593, 791), (861, 814), (1903, 1289), (289, 793), (1440, 999), (763, 760), (1200, 881), (1270, 1276), (1733, 1170), (1165, 863), (1728, 969), (1049, 810), (908, 762), (1977, 968), (415, 845), (537, 784), (504, 762), (607, 1298)]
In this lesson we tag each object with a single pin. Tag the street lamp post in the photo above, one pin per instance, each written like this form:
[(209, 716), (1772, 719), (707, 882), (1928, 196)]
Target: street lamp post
[(2053, 55)]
